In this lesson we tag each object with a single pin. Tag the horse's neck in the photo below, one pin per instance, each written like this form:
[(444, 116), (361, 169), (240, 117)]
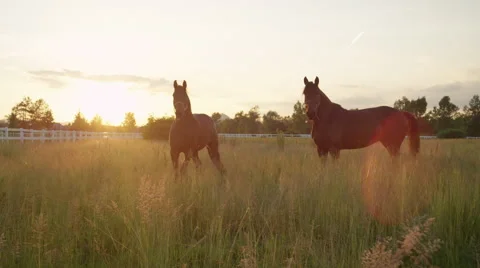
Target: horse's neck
[(328, 112), (187, 117), (326, 99)]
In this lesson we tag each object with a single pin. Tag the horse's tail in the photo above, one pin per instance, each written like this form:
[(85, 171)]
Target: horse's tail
[(413, 133)]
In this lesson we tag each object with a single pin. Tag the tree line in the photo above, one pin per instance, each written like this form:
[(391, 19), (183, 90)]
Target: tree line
[(37, 114), (444, 117)]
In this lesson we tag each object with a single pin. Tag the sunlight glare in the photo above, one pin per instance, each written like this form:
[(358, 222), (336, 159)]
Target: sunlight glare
[(110, 100)]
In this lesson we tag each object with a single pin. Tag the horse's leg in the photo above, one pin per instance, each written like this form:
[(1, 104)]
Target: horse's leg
[(196, 159), (334, 153), (188, 157), (392, 146), (174, 154), (322, 153), (212, 148)]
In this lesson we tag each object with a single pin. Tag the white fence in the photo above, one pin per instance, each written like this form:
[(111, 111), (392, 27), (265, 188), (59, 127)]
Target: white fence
[(228, 135), (20, 134)]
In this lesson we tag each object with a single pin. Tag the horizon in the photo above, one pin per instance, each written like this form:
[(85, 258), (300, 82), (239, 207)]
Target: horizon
[(125, 56)]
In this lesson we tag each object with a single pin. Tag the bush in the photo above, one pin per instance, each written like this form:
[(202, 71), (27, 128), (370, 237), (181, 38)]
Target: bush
[(451, 134), (157, 128)]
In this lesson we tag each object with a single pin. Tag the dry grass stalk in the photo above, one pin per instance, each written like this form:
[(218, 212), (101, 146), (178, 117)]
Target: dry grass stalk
[(249, 259), (415, 248), (150, 196), (3, 242), (39, 229)]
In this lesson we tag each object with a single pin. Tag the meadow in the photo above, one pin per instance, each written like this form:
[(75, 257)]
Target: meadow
[(116, 204)]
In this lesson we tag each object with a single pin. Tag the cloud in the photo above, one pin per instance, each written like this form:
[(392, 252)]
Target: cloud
[(474, 73), (460, 92), (49, 76), (51, 82)]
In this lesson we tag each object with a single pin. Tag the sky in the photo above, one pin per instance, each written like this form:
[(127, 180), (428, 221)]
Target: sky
[(112, 57)]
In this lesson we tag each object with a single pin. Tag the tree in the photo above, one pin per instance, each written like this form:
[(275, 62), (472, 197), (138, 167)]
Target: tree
[(472, 116), (13, 121), (216, 117), (29, 114), (40, 115), (22, 112), (228, 126), (96, 123), (473, 107), (79, 123), (129, 123), (247, 122), (157, 128), (417, 107), (273, 122), (443, 116), (47, 119), (299, 119)]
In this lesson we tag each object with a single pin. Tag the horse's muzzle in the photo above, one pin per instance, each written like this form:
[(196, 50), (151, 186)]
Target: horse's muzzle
[(311, 115), (180, 108)]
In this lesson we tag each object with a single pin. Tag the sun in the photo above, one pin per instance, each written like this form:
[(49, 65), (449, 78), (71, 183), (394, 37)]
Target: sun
[(110, 100)]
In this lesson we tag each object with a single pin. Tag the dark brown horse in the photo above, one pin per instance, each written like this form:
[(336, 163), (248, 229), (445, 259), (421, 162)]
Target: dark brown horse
[(335, 128), (191, 133)]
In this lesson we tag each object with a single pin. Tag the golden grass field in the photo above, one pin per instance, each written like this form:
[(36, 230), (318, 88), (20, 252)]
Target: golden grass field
[(116, 204)]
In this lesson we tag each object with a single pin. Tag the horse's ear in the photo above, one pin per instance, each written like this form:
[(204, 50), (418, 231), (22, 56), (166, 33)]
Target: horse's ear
[(184, 84), (305, 80), (175, 85), (316, 81)]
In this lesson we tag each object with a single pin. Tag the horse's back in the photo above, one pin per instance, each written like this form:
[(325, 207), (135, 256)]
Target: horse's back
[(370, 116), (204, 120), (360, 128)]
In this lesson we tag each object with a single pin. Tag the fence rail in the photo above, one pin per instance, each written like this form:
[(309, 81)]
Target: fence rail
[(20, 134), (229, 135)]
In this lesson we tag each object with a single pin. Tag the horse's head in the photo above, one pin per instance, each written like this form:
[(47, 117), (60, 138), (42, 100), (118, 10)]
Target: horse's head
[(313, 97), (181, 102)]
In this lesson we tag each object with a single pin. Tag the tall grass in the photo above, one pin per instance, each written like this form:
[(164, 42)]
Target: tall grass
[(116, 204)]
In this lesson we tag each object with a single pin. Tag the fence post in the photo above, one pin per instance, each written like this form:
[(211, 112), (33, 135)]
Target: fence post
[(6, 134), (43, 135), (21, 134), (32, 132), (74, 136), (52, 135)]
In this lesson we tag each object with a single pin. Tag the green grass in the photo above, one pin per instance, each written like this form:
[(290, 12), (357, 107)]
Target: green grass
[(116, 204)]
